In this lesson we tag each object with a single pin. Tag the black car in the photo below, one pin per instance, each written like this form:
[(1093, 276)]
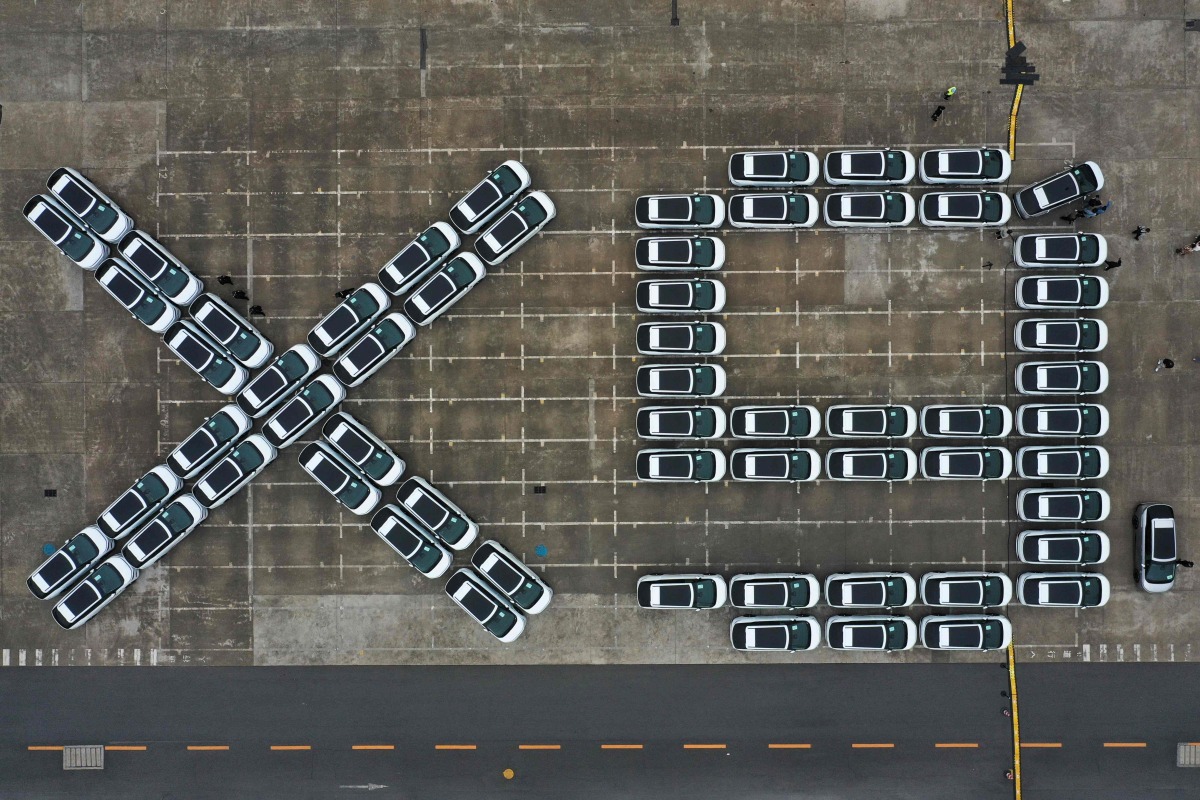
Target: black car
[(418, 258), (348, 319), (969, 166), (1061, 293), (946, 421), (1060, 250), (964, 209), (445, 287), (423, 552), (881, 166), (783, 464), (275, 383), (676, 254), (784, 211), (516, 227), (774, 590), (869, 209), (680, 297), (965, 463), (1156, 547), (436, 513), (1063, 505), (966, 632), (774, 168), (774, 422), (490, 196), (680, 422), (1064, 463), (1057, 190), (683, 380), (1062, 419), (136, 295), (679, 211), (966, 589), (852, 421), (1062, 547)]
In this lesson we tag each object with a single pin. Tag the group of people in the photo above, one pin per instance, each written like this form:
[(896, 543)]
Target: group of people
[(1092, 207)]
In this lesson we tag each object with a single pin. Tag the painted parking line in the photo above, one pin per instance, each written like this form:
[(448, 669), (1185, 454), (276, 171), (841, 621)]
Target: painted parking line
[(789, 746), (372, 747), (291, 747), (539, 747), (46, 747), (955, 745), (704, 747), (208, 747), (125, 748), (1042, 744), (621, 746), (454, 747), (1124, 744), (873, 745)]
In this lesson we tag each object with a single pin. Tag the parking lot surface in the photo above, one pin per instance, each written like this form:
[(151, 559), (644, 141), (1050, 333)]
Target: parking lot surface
[(296, 148)]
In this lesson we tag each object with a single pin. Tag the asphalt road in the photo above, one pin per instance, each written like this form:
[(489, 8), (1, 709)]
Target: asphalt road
[(663, 732)]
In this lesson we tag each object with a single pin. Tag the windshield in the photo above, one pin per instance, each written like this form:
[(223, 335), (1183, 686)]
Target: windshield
[(896, 208)]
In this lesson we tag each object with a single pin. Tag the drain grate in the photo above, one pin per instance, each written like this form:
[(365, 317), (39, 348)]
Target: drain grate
[(83, 756), (1188, 755)]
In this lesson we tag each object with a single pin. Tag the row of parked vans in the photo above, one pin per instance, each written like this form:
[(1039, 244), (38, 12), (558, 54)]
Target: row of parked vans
[(154, 515)]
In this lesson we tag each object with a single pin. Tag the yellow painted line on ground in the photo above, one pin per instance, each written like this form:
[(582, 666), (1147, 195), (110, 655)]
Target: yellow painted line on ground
[(539, 747), (127, 748), (704, 747), (872, 745), (291, 747), (208, 747), (372, 747), (1124, 744), (454, 747), (789, 747), (1012, 668), (1042, 745), (956, 745), (621, 746), (57, 747)]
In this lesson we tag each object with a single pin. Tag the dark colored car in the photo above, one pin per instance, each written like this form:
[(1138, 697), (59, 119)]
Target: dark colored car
[(445, 287), (418, 258), (1058, 190), (1156, 546), (680, 422), (680, 297), (1063, 463), (515, 228), (423, 552), (490, 196), (1062, 419), (512, 577), (950, 421)]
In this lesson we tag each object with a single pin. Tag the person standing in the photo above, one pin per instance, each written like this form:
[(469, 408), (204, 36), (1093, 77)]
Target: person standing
[(937, 114), (1139, 232), (953, 90)]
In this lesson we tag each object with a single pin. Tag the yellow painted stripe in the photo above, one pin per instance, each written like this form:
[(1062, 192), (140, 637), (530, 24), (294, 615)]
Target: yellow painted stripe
[(372, 747), (454, 747), (1012, 652), (873, 745), (291, 747), (789, 746), (45, 747), (129, 748), (955, 745), (539, 747), (621, 746), (208, 747), (1041, 744), (704, 747), (1124, 744)]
